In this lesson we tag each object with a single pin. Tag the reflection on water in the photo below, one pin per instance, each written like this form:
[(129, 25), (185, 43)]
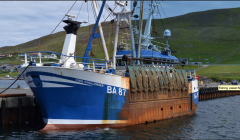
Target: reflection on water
[(214, 119)]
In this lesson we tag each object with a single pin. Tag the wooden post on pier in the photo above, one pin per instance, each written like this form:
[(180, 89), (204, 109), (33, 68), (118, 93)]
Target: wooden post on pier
[(16, 109), (19, 111), (3, 111)]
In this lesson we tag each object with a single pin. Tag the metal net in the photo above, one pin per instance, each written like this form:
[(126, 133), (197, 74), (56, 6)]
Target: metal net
[(145, 79)]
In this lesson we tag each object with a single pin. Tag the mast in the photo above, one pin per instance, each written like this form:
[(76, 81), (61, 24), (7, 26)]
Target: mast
[(100, 31), (140, 29), (93, 35), (131, 35), (124, 14), (115, 42), (147, 31)]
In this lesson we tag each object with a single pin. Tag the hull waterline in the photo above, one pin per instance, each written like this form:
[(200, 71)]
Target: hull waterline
[(77, 99)]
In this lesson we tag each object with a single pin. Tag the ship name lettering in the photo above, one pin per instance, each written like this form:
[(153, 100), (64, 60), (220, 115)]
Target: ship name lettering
[(98, 84), (79, 80), (88, 82)]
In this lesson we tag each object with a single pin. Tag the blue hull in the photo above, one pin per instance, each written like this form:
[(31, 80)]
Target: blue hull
[(68, 102), (195, 97), (76, 101)]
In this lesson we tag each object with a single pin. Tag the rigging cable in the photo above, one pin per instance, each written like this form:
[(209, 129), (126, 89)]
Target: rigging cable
[(79, 11), (55, 27), (39, 47), (109, 36), (100, 8), (88, 21), (153, 25), (90, 36), (171, 27), (150, 35), (15, 80), (99, 40)]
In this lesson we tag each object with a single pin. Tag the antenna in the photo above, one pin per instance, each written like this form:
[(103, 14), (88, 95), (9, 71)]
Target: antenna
[(69, 16), (167, 33), (120, 4)]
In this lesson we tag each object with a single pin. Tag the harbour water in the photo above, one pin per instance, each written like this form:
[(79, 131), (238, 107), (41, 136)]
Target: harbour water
[(214, 119)]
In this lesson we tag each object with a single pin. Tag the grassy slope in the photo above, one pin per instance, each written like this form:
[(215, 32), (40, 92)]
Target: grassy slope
[(214, 32), (221, 72), (55, 42), (210, 34), (11, 74)]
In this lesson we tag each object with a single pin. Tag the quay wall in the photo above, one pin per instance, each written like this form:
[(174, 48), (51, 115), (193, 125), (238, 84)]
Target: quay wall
[(18, 109), (213, 92)]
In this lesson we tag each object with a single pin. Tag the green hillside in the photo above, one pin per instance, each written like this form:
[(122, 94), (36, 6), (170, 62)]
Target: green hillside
[(221, 72), (213, 32), (212, 35), (209, 34), (56, 41)]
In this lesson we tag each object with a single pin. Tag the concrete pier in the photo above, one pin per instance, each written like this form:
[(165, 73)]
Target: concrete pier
[(213, 92), (17, 91), (17, 109)]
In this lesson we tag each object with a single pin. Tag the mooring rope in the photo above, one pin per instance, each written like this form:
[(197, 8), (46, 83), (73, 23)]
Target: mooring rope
[(38, 48), (15, 80)]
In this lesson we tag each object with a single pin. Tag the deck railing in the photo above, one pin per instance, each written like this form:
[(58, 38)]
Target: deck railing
[(94, 65)]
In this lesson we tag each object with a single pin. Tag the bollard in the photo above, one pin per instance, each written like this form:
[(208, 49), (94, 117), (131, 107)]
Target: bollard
[(3, 112)]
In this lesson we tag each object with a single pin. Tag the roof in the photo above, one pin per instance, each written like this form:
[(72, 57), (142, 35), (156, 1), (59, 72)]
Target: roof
[(145, 54), (9, 67)]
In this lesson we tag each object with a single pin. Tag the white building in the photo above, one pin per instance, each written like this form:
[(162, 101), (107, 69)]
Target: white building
[(53, 56)]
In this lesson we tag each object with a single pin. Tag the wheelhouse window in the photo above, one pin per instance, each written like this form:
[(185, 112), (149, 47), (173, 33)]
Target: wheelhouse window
[(148, 62), (120, 62)]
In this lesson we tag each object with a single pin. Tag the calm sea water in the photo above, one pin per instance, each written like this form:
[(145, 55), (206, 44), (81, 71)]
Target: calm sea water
[(214, 119), (6, 83)]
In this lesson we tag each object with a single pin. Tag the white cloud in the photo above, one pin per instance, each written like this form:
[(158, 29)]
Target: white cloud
[(22, 21)]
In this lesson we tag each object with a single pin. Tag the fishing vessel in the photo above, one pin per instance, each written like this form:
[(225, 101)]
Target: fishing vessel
[(137, 86)]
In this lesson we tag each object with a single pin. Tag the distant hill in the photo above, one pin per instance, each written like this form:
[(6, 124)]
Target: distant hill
[(212, 32), (56, 41), (214, 35)]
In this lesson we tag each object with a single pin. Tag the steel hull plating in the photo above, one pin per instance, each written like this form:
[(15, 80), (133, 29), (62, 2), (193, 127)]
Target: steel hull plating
[(70, 98)]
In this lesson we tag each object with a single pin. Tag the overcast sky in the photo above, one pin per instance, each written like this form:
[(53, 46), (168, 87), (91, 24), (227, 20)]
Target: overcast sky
[(22, 21)]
